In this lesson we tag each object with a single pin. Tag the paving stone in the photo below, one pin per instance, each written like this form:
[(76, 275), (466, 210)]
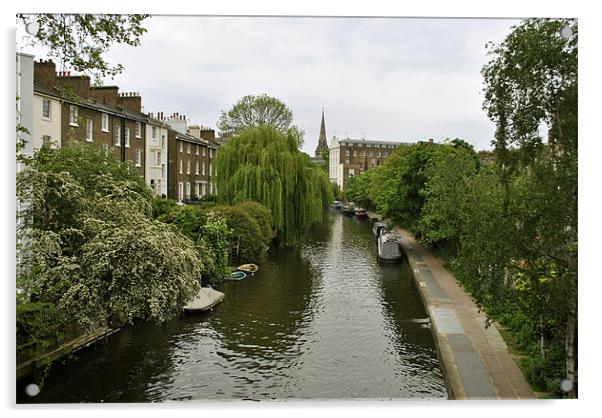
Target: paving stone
[(431, 283), (446, 321)]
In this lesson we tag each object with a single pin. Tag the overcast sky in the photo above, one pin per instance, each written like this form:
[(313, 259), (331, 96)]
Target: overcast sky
[(393, 79)]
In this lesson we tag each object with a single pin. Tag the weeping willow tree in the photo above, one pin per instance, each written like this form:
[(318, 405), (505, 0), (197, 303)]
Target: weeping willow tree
[(265, 165)]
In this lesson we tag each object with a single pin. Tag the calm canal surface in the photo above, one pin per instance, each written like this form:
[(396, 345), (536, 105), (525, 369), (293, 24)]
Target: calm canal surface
[(321, 321)]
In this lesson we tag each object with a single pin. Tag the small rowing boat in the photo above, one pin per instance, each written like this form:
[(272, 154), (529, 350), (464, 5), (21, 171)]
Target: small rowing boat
[(236, 275), (248, 268)]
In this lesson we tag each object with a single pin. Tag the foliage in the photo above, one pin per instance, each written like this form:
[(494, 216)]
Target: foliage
[(209, 198), (532, 79), (360, 188), (39, 328), (243, 225), (337, 193), (88, 245), (162, 207), (448, 180), (254, 111), (265, 165), (263, 217), (81, 40), (214, 244)]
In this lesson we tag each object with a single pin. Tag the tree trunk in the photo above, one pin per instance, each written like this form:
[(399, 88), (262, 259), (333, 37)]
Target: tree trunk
[(542, 337), (570, 345)]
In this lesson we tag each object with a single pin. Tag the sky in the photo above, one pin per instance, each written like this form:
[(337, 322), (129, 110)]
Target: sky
[(394, 79)]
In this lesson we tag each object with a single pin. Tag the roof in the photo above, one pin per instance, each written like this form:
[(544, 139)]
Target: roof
[(193, 139), (92, 104)]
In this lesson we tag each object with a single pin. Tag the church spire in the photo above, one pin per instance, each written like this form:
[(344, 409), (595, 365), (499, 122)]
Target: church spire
[(322, 145)]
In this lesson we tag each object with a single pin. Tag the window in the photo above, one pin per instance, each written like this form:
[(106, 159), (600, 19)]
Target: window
[(197, 168), (181, 147), (198, 191), (187, 166), (158, 157), (162, 171), (210, 172), (204, 151), (196, 150), (139, 130), (104, 122), (89, 130), (370, 154), (127, 137), (162, 141), (181, 165), (154, 132), (180, 191), (188, 190), (378, 154), (188, 148), (73, 115), (117, 135), (138, 157), (347, 153), (203, 167), (211, 153), (46, 139), (46, 108)]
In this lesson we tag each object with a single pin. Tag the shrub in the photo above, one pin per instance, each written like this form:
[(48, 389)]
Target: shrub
[(243, 225), (263, 217)]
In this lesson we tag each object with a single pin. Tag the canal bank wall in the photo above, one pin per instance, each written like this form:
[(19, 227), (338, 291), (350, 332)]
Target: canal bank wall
[(474, 358)]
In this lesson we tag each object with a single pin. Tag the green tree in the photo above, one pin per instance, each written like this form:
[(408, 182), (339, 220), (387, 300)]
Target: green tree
[(360, 189), (79, 41), (265, 165), (88, 244), (532, 79), (255, 111)]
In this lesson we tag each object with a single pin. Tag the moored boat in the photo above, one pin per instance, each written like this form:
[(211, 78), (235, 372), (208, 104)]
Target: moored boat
[(377, 227), (206, 299), (236, 275), (248, 268), (389, 249), (361, 213), (336, 204), (348, 208)]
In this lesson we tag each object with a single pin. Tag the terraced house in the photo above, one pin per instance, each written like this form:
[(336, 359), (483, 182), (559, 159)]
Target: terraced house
[(80, 112), (191, 151)]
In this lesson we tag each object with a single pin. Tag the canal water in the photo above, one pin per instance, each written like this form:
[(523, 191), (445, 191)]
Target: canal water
[(319, 321)]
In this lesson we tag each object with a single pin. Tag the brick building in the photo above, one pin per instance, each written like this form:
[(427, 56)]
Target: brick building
[(89, 114), (351, 157), (191, 151)]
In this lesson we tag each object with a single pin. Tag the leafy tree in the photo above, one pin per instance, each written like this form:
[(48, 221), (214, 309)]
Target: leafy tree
[(263, 217), (360, 188), (265, 165), (445, 191), (88, 245), (255, 111), (243, 225), (80, 40), (532, 79)]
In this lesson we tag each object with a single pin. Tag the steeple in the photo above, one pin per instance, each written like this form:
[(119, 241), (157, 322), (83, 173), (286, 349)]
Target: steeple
[(322, 145)]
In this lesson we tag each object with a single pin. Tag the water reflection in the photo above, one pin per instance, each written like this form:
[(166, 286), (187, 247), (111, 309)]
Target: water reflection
[(320, 320)]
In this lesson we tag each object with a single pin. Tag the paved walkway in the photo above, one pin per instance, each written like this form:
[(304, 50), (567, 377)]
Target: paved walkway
[(475, 360)]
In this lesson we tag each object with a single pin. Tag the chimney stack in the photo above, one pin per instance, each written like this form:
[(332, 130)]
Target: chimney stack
[(44, 73), (131, 101)]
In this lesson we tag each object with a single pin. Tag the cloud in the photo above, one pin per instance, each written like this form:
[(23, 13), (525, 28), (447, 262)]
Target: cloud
[(389, 78)]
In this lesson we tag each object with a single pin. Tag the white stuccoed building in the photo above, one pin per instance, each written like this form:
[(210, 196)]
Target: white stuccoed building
[(156, 155)]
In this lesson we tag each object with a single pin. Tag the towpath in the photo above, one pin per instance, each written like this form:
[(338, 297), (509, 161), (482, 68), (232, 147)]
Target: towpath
[(475, 359)]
